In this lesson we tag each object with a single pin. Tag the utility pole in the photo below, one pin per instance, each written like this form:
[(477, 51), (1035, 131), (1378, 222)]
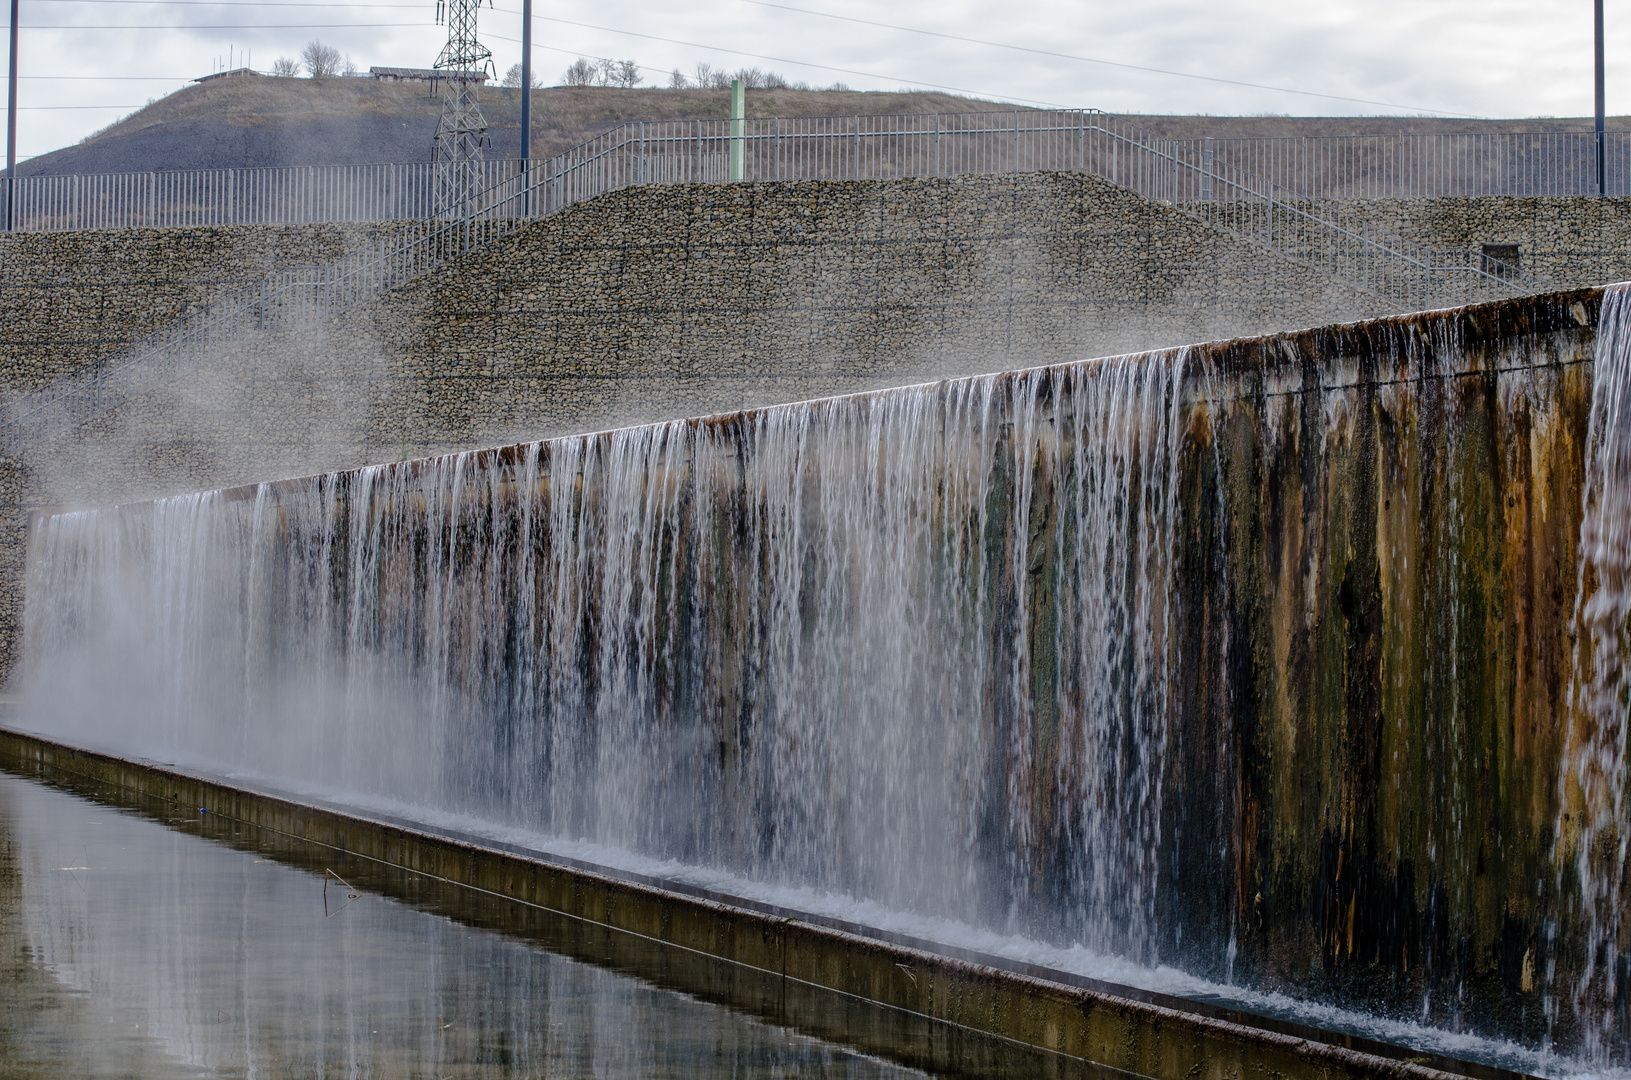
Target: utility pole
[(11, 120), (462, 130), (526, 81), (1602, 172)]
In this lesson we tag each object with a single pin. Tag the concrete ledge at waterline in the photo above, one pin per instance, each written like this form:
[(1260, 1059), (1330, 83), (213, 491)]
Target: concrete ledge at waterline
[(1102, 1028)]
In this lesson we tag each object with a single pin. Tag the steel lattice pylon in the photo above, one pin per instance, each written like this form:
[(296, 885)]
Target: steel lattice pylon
[(462, 131)]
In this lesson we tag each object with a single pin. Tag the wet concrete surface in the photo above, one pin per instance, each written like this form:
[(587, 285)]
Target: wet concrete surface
[(146, 944)]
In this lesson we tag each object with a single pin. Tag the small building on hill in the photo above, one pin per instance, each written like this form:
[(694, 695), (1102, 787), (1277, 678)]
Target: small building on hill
[(233, 74), (402, 74)]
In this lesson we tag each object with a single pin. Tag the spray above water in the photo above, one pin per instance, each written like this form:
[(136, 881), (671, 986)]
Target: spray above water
[(1242, 658), (911, 645)]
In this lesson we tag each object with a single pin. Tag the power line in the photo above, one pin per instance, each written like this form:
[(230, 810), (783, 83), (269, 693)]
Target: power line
[(782, 60), (696, 45), (1095, 60), (230, 26), (231, 3), (566, 52), (563, 52), (589, 56)]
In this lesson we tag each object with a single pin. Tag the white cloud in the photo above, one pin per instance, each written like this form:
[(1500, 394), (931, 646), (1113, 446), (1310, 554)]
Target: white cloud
[(1500, 58)]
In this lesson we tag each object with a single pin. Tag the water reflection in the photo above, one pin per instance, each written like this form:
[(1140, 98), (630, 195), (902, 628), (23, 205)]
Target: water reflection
[(131, 949)]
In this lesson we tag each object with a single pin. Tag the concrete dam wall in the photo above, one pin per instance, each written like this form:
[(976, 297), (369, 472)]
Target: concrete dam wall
[(1279, 661)]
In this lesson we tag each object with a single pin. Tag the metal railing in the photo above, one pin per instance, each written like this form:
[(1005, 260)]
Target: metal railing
[(1186, 174), (202, 197), (1320, 167), (1426, 166)]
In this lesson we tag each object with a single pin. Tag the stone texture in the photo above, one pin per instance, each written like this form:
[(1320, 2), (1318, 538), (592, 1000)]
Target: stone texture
[(1569, 242), (657, 302), (69, 299)]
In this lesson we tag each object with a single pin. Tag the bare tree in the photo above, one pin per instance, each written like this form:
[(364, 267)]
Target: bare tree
[(709, 79), (512, 77), (581, 73), (348, 69), (626, 73), (322, 61), (285, 67)]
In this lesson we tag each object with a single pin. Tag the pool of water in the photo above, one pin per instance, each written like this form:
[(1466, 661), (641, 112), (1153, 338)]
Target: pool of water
[(139, 942)]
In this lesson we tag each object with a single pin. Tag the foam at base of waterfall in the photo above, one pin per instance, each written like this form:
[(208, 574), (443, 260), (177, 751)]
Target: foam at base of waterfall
[(1072, 959)]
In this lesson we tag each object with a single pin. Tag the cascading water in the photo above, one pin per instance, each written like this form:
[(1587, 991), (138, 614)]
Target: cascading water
[(1593, 826), (1248, 658), (910, 646)]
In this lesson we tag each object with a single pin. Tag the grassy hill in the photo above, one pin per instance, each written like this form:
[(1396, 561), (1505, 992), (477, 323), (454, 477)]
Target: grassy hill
[(265, 121), (257, 122)]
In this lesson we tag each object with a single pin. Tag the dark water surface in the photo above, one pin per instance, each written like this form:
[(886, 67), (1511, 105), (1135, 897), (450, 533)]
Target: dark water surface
[(132, 945)]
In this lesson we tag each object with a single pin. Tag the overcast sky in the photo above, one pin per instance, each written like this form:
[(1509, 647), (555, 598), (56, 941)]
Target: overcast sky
[(1489, 58)]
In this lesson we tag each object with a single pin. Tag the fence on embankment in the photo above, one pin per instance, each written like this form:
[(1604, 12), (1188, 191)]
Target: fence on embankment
[(1189, 174), (851, 147)]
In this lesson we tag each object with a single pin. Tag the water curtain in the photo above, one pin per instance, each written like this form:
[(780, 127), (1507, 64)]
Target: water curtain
[(1249, 658), (878, 644)]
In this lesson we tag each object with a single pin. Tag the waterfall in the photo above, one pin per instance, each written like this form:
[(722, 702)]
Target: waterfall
[(1291, 661), (910, 646), (1593, 826)]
